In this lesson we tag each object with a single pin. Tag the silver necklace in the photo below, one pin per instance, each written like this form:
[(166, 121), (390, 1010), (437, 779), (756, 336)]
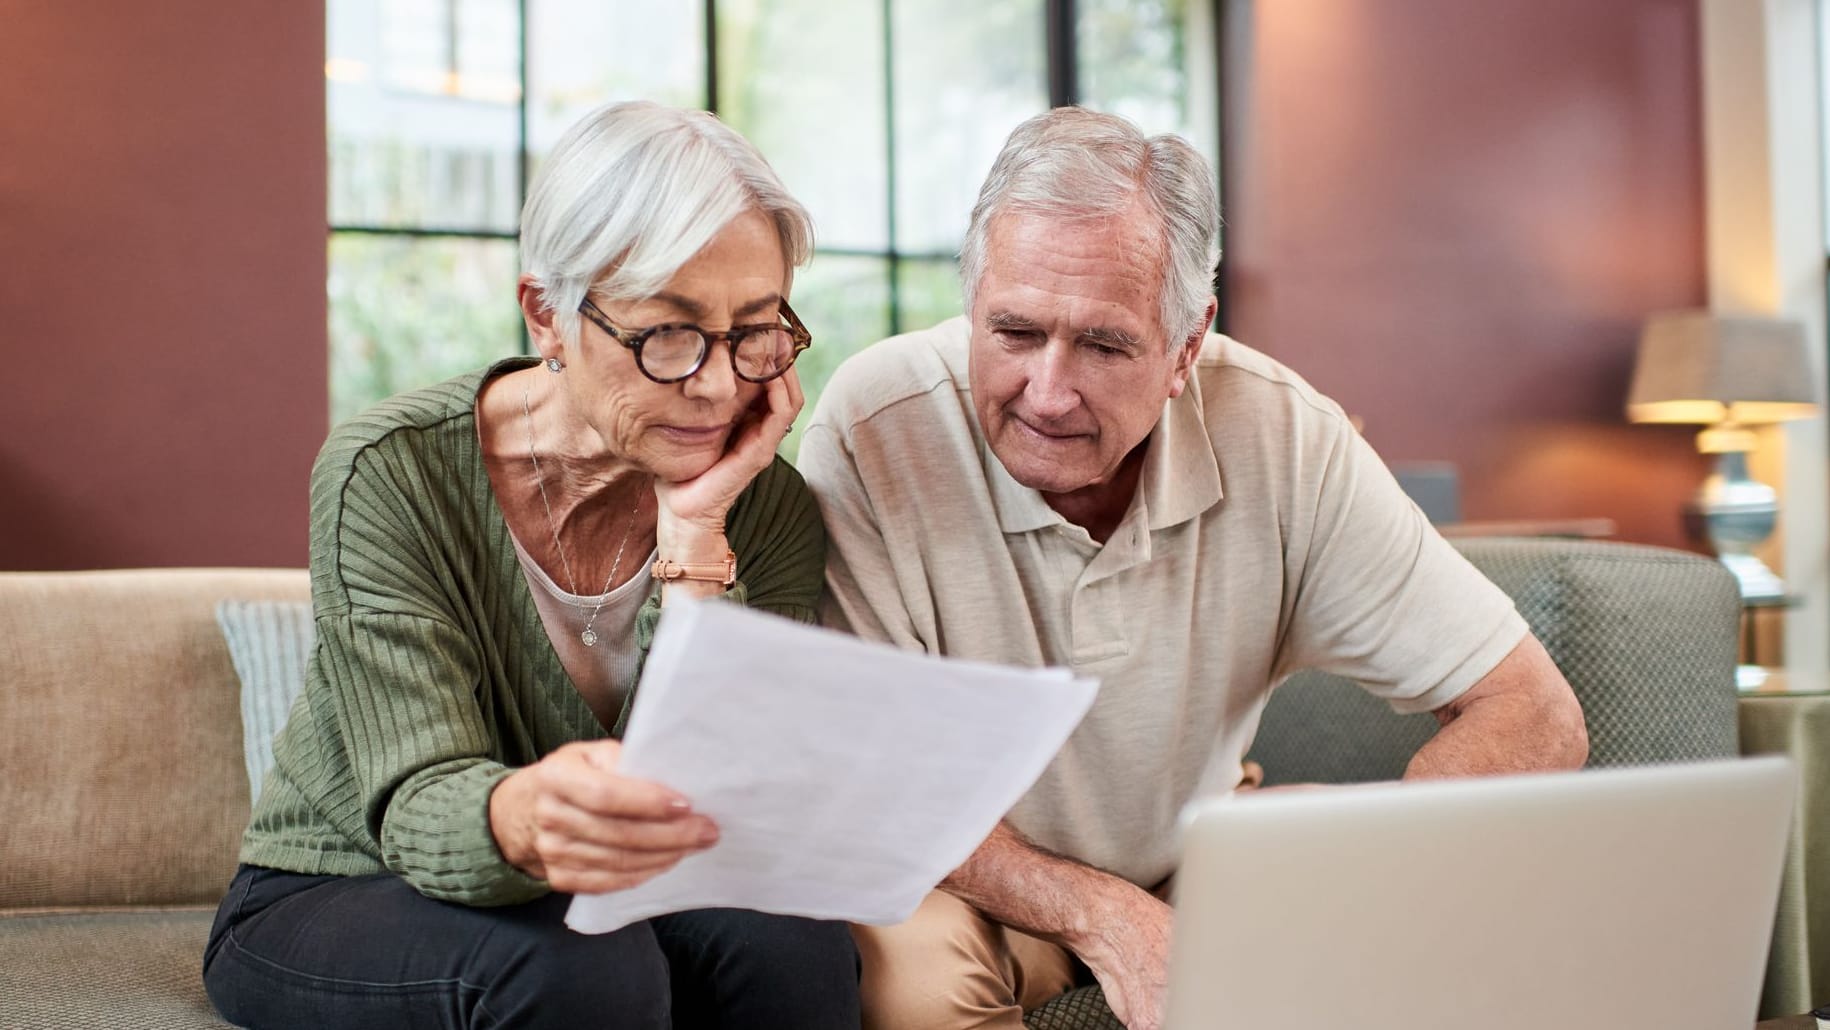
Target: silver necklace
[(589, 636)]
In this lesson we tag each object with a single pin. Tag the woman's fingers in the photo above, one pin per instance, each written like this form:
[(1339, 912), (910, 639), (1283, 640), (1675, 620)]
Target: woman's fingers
[(785, 399), (601, 879), (556, 820), (584, 853), (585, 827), (791, 381), (584, 776), (639, 850)]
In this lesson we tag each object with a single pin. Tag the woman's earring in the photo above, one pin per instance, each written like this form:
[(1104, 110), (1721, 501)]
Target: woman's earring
[(553, 365)]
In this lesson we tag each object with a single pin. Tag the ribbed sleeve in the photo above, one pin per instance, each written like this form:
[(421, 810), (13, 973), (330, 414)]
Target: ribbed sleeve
[(432, 677)]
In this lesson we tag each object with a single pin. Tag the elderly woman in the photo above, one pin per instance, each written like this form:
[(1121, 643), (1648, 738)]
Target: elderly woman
[(489, 558)]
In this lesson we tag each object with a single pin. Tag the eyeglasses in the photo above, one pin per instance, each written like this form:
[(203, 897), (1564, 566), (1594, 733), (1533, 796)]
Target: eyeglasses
[(675, 351)]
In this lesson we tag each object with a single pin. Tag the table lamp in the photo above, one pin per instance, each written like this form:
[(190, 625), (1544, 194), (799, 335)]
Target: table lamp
[(1728, 374)]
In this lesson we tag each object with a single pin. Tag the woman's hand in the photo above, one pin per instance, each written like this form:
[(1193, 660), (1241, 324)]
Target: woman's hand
[(689, 526), (573, 821), (692, 510)]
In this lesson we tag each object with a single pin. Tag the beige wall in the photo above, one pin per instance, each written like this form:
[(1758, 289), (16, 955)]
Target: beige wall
[(162, 306), (1453, 216)]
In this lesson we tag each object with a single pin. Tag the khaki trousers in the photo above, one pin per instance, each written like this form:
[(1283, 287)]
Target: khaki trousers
[(950, 968)]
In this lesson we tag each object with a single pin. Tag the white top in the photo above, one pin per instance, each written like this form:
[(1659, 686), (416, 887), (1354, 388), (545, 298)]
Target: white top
[(604, 672), (1265, 537)]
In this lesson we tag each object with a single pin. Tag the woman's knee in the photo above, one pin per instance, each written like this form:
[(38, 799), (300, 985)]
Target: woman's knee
[(548, 975), (735, 942), (739, 968)]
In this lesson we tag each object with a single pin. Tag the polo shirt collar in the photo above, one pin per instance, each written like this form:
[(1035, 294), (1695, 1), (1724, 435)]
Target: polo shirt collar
[(1180, 479)]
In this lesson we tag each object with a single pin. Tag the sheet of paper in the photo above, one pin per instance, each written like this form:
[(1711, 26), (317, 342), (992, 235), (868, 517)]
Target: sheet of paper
[(846, 778)]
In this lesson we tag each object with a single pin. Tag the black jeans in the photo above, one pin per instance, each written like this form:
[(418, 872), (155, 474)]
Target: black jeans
[(289, 950)]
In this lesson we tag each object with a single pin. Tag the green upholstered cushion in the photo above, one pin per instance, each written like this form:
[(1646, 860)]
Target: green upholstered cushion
[(1083, 1008), (269, 642), (1646, 636)]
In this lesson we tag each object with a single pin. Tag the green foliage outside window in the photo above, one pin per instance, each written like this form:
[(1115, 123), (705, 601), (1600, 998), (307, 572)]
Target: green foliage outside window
[(885, 147), (406, 312)]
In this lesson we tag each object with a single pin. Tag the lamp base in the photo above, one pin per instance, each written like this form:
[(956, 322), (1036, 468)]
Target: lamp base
[(1758, 583), (1735, 514)]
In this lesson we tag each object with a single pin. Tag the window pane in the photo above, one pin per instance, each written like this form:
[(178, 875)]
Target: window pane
[(845, 303), (410, 311), (928, 293), (424, 113), (967, 72), (1153, 62), (582, 53), (1823, 104), (803, 80)]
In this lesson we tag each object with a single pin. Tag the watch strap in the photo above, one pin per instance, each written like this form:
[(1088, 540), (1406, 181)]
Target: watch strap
[(720, 572)]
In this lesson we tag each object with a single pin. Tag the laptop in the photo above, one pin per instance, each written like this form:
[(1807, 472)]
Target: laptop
[(1596, 900)]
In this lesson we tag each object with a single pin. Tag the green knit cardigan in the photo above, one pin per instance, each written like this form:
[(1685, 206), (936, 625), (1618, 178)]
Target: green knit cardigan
[(432, 677)]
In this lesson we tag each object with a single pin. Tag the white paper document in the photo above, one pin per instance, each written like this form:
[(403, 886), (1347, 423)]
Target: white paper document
[(846, 778)]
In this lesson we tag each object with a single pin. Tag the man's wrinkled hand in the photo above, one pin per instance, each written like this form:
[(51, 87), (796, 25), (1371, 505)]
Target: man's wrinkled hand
[(1128, 952)]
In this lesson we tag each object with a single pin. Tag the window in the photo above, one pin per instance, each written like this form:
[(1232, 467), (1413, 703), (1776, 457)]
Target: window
[(1823, 109), (882, 116)]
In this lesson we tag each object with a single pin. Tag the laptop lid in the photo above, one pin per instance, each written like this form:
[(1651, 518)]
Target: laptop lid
[(1596, 900)]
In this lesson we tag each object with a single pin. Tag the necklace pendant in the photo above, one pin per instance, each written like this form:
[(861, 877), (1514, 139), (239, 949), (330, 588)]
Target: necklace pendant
[(589, 636)]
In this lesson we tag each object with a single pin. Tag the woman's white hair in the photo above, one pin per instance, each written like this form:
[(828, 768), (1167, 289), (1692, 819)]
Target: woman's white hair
[(631, 192), (1077, 163)]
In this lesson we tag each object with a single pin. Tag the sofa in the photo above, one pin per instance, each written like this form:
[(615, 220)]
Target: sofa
[(125, 791), (127, 770)]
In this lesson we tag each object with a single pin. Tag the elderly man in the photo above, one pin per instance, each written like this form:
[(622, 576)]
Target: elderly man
[(1076, 474)]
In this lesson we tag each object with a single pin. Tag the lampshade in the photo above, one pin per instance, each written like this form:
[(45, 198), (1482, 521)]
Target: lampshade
[(1699, 367)]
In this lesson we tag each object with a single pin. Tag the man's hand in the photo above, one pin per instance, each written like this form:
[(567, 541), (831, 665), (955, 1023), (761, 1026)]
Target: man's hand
[(1118, 929), (572, 820), (1128, 952)]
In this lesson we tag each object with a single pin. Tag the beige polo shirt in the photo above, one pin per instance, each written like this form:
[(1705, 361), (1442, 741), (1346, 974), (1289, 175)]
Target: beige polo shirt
[(1265, 537)]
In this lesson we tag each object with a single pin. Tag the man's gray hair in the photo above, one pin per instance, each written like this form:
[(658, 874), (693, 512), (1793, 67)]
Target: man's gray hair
[(1077, 163), (635, 190)]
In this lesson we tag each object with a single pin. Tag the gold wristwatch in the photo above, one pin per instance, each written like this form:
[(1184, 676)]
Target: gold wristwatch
[(723, 572)]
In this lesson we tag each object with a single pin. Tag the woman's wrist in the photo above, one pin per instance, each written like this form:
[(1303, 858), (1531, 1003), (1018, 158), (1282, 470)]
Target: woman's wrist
[(682, 541), (507, 825), (705, 550)]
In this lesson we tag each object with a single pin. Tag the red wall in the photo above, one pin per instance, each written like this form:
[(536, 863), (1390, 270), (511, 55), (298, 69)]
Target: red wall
[(1452, 216), (162, 308)]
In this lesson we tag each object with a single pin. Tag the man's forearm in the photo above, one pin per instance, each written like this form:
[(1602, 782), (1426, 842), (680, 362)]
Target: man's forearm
[(1025, 887), (1118, 929)]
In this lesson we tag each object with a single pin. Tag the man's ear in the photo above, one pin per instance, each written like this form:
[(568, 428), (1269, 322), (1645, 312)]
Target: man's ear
[(540, 329), (1190, 350)]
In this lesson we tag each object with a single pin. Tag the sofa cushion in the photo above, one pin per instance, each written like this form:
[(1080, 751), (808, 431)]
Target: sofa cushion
[(121, 739), (106, 970), (1646, 637), (269, 642), (1082, 1008)]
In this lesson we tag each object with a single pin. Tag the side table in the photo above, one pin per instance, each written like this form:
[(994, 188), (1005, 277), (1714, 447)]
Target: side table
[(1784, 715), (1751, 609)]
